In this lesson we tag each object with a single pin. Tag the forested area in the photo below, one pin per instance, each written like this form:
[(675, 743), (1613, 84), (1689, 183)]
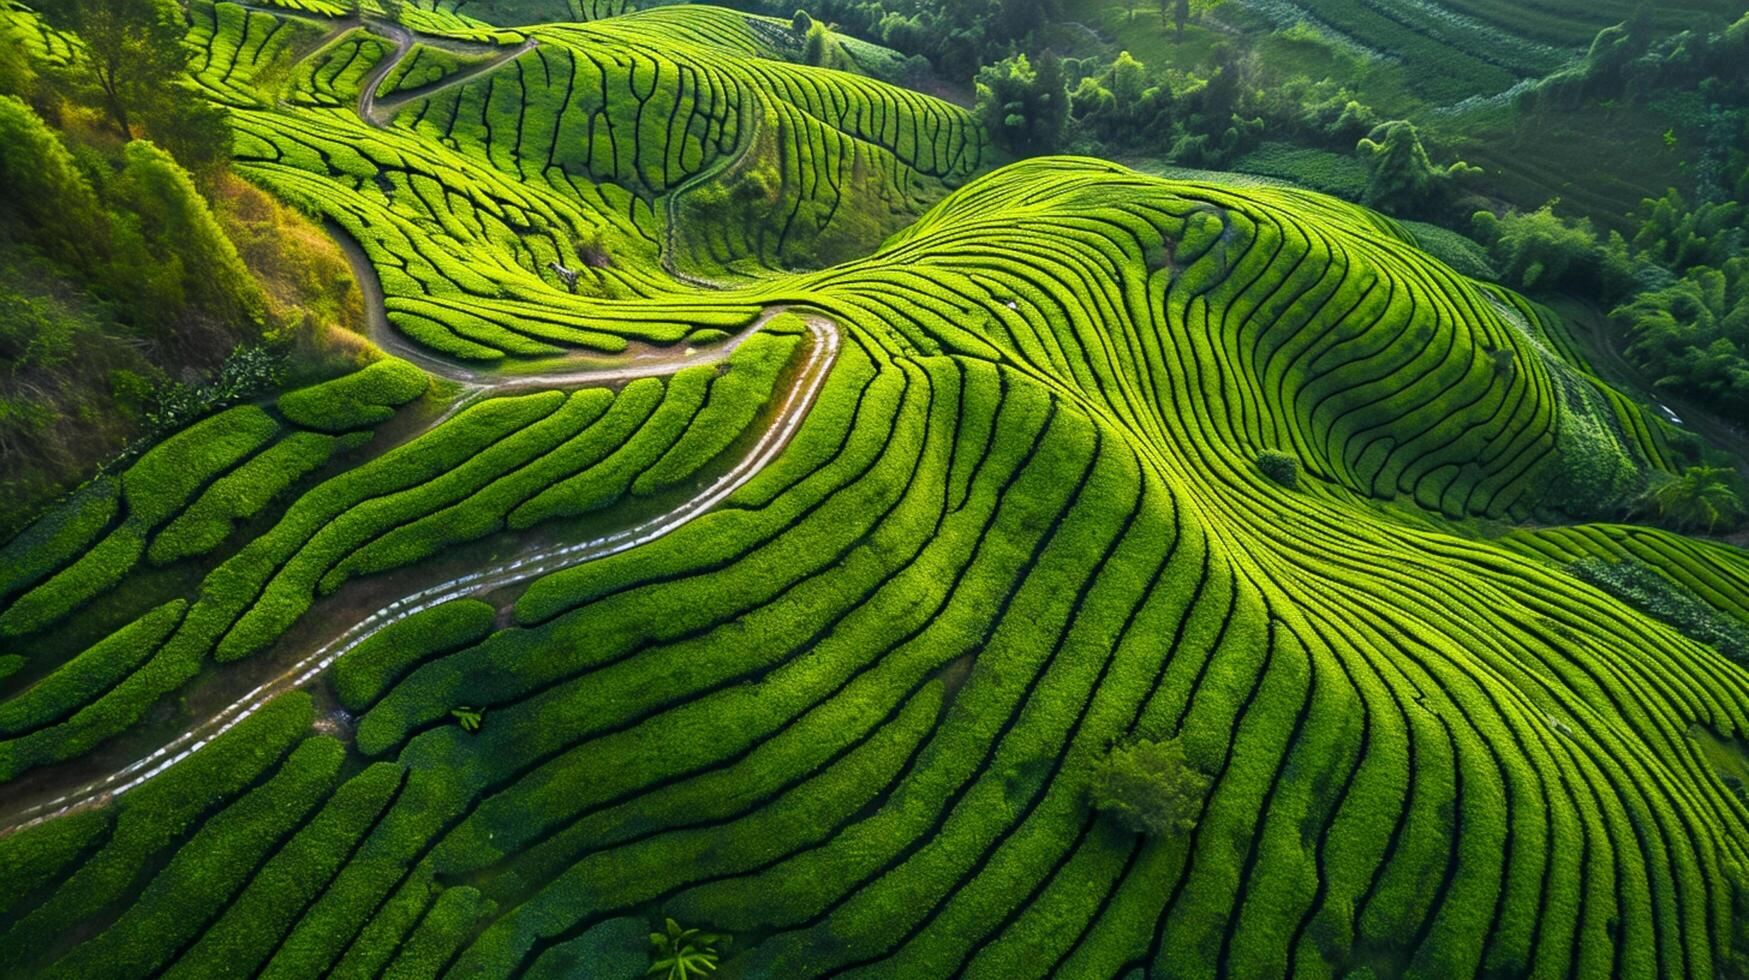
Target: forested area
[(143, 283)]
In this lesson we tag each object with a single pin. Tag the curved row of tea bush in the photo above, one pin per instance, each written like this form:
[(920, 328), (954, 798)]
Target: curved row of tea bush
[(573, 166), (850, 716), (1102, 458), (503, 462)]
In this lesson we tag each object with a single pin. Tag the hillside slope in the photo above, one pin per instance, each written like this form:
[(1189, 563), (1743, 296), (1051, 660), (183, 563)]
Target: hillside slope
[(816, 639)]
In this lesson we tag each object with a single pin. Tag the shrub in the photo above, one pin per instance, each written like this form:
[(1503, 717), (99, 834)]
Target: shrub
[(58, 536), (149, 820), (81, 679), (734, 399), (1149, 787), (1641, 586), (166, 477), (681, 954), (362, 398), (239, 495), (1283, 468), (363, 673), (99, 568)]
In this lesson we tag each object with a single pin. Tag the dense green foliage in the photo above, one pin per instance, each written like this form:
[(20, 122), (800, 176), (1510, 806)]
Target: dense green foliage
[(142, 285), (865, 606), (358, 400), (1149, 787)]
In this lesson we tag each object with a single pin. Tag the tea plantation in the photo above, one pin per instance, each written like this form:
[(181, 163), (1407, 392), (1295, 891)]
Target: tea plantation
[(776, 508)]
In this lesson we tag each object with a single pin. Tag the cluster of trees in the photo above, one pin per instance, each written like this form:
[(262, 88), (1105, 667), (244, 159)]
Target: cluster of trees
[(133, 68), (1679, 287), (1679, 292), (1044, 104), (1631, 62), (142, 284), (956, 37)]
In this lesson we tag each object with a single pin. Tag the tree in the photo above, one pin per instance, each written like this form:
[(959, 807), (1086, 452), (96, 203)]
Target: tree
[(816, 49), (196, 132), (1539, 250), (183, 237), (1185, 11), (48, 200), (1404, 180), (1702, 498), (1129, 78), (1149, 787), (133, 53), (1026, 109), (1283, 468), (1692, 335), (801, 22), (1050, 102), (1679, 237)]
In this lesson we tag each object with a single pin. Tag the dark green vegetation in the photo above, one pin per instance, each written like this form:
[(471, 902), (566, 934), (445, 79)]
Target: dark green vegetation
[(1163, 575), (142, 285)]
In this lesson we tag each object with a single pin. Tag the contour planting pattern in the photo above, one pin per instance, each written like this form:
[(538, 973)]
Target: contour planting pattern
[(1480, 47), (956, 515)]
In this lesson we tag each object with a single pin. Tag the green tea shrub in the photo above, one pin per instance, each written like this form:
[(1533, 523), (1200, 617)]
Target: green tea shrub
[(277, 893), (206, 872), (363, 398), (367, 671), (734, 399), (161, 483), (58, 536), (240, 495), (80, 680), (151, 819)]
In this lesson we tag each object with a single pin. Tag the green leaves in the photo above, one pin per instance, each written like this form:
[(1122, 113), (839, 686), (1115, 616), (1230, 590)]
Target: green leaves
[(683, 953), (469, 718), (1702, 498), (1149, 787)]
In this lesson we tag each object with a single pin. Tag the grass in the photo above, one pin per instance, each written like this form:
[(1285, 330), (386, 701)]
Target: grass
[(1041, 505)]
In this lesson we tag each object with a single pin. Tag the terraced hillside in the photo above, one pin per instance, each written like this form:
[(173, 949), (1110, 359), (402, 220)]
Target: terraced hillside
[(1460, 48), (800, 605)]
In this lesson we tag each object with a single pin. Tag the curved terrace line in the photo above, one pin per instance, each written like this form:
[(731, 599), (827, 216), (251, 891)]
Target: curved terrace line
[(823, 351)]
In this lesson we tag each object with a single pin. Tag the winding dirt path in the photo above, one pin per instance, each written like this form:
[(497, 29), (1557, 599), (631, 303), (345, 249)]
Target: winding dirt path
[(822, 351), (378, 112)]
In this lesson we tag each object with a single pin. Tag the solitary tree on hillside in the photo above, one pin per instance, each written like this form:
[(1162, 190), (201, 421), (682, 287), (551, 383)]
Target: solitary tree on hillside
[(1149, 787), (133, 50), (817, 46)]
